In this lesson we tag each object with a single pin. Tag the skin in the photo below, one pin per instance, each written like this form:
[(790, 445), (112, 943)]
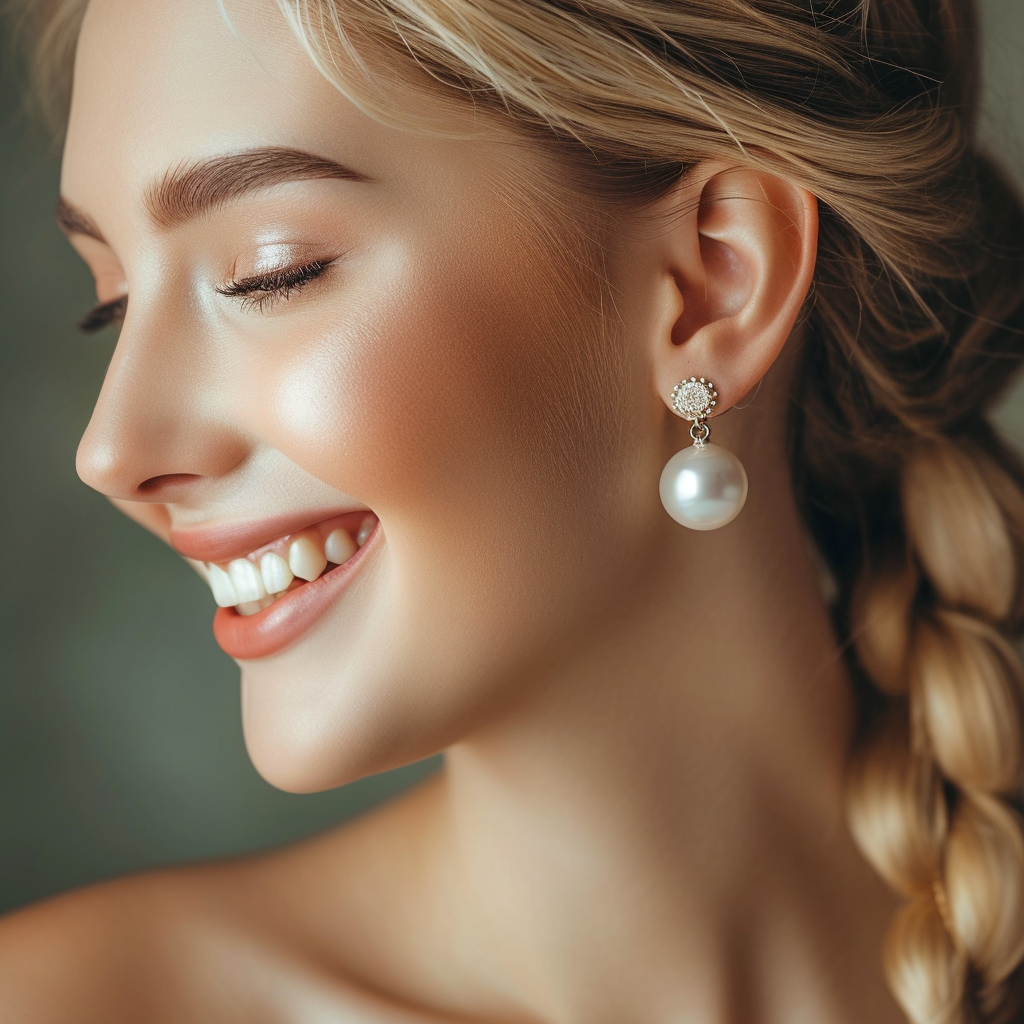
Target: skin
[(641, 813)]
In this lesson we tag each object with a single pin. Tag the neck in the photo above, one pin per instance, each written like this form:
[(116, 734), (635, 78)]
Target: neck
[(662, 805)]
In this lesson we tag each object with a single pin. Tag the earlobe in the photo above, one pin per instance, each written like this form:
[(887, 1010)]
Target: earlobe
[(741, 264)]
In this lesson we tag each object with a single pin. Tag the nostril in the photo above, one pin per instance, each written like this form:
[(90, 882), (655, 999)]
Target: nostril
[(166, 481)]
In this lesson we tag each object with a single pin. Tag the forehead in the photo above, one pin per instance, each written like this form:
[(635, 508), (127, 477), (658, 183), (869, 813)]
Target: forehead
[(154, 77), (162, 82)]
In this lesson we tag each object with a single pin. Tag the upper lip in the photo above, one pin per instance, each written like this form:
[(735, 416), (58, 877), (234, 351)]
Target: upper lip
[(223, 542)]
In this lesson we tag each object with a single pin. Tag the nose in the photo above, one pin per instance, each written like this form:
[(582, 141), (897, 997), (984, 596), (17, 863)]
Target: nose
[(155, 433)]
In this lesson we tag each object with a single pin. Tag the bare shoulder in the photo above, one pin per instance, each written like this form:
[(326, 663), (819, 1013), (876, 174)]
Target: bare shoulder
[(203, 943), (109, 952)]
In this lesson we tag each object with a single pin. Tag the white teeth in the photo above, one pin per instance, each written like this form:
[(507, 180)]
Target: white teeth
[(365, 529), (252, 607), (247, 580), (251, 588), (305, 559), (224, 592), (339, 546), (276, 574)]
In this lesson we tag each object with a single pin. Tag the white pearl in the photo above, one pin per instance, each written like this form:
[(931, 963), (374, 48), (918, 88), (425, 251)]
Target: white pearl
[(703, 486)]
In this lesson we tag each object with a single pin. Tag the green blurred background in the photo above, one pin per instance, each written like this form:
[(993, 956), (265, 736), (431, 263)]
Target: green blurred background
[(120, 736)]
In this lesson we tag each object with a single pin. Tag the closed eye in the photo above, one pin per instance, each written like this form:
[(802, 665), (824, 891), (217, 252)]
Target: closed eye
[(261, 291)]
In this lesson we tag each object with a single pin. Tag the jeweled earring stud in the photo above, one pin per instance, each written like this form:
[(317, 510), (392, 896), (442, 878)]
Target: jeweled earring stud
[(703, 486)]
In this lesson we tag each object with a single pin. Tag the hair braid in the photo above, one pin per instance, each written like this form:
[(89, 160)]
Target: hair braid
[(930, 786)]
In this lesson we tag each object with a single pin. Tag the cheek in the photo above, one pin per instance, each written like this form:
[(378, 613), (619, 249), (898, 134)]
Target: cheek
[(442, 383)]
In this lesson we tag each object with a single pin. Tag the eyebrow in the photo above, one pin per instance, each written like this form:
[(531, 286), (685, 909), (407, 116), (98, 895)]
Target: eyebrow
[(192, 189), (73, 221)]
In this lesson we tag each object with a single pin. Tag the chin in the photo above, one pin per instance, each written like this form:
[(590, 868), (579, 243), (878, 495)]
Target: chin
[(297, 764), (298, 774), (310, 748), (311, 735)]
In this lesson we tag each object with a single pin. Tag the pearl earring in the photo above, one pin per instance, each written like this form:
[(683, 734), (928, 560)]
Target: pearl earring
[(703, 486)]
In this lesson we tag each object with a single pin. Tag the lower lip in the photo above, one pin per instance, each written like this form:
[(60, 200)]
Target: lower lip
[(248, 637)]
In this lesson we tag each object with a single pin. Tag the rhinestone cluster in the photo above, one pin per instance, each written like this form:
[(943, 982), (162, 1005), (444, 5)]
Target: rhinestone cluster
[(694, 399)]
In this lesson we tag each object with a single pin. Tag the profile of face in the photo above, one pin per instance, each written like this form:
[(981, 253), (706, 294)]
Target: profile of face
[(330, 319), (386, 327)]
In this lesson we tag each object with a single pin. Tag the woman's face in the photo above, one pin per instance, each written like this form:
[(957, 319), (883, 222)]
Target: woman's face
[(309, 345)]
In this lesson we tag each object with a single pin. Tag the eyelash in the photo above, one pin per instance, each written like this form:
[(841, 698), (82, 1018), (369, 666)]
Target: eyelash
[(260, 292), (103, 315)]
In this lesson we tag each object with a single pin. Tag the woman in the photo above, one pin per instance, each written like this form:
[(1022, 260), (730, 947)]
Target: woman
[(431, 313)]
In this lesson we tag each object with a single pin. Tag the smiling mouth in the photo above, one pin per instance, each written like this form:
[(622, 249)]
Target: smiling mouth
[(257, 580)]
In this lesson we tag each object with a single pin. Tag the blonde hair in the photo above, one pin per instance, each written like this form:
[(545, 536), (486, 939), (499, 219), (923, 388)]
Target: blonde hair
[(914, 329)]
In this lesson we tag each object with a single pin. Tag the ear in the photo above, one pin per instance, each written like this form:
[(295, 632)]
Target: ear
[(735, 267)]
